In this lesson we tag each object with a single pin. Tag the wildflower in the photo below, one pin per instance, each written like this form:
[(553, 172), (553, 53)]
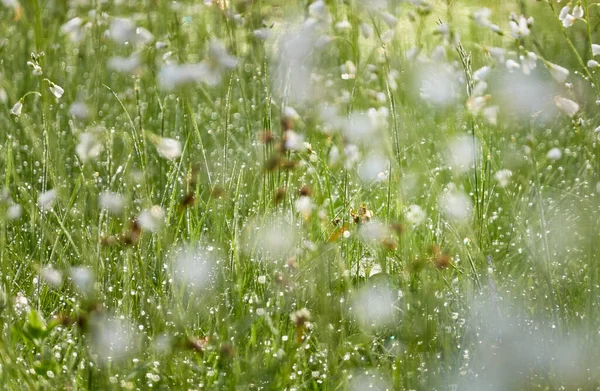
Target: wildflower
[(481, 16), (52, 276), (568, 19), (304, 206), (217, 61), (348, 70), (512, 65), (496, 52), (79, 110), (122, 30), (519, 26), (366, 29), (46, 200), (415, 214), (595, 49), (14, 212), (455, 204), (491, 114), (567, 106), (503, 177), (593, 64), (168, 148), (88, 147), (389, 19), (460, 154), (528, 62), (343, 25), (558, 73), (21, 303), (554, 154), (482, 73), (293, 141), (73, 29), (374, 306), (112, 202), (151, 219), (301, 317), (125, 64), (55, 89), (194, 267), (17, 108), (262, 33)]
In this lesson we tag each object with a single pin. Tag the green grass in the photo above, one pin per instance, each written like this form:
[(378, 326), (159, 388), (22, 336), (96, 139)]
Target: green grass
[(496, 289)]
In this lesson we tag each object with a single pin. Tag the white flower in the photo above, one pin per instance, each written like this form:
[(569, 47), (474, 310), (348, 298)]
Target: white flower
[(79, 110), (389, 19), (593, 64), (122, 30), (304, 206), (455, 204), (482, 73), (519, 27), (529, 62), (56, 90), (152, 219), (567, 106), (348, 70), (217, 61), (17, 108), (366, 29), (125, 64), (503, 177), (46, 200), (415, 214), (343, 25), (460, 155), (88, 147), (37, 70), (168, 148), (496, 52), (595, 49), (294, 141), (14, 212), (568, 21), (491, 114), (564, 12), (112, 202), (554, 154), (559, 73), (73, 29), (482, 16), (290, 113), (578, 11), (143, 36), (263, 33), (512, 65), (479, 88), (52, 276), (476, 103)]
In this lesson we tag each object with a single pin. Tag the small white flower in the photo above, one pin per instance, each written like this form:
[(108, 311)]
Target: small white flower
[(389, 19), (56, 90), (554, 154), (529, 62), (482, 73), (304, 206), (14, 212), (491, 114), (564, 12), (519, 27), (456, 205), (595, 49), (567, 106), (125, 64), (496, 52), (88, 147), (482, 17), (263, 33), (168, 148), (46, 200), (112, 202), (152, 219), (17, 108), (568, 21), (503, 177), (593, 64), (578, 11), (512, 65), (294, 141), (79, 110), (37, 70), (52, 276), (73, 29), (348, 70), (415, 214), (366, 29), (82, 278), (559, 73), (343, 25)]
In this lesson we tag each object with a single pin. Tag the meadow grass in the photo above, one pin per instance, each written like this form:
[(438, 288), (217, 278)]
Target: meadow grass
[(330, 195)]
